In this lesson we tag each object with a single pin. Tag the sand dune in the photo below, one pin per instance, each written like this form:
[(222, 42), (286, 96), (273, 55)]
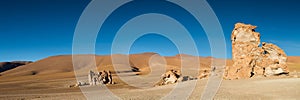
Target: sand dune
[(63, 63), (4, 66), (49, 78), (55, 64)]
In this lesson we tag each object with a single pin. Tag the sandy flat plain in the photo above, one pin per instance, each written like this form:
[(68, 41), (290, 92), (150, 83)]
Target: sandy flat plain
[(50, 78)]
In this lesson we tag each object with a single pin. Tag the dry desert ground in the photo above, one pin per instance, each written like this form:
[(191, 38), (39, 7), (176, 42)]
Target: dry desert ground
[(51, 77)]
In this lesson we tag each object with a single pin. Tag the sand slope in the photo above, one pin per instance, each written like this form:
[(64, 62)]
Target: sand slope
[(49, 78)]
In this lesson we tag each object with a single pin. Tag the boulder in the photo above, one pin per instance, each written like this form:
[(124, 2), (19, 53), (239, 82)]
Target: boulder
[(204, 74), (100, 78), (170, 77), (252, 60), (78, 84)]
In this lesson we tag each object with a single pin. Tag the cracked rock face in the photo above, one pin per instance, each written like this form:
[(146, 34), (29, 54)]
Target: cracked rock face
[(251, 60), (103, 77), (277, 59)]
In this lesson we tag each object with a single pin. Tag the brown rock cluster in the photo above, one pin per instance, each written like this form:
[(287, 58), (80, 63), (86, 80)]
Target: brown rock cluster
[(251, 60), (170, 77), (96, 78), (204, 74), (103, 77)]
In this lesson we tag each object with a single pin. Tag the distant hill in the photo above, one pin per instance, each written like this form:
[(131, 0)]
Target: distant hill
[(63, 63), (4, 66)]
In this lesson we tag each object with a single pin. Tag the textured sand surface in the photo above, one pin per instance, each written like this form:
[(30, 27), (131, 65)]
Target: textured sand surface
[(54, 75)]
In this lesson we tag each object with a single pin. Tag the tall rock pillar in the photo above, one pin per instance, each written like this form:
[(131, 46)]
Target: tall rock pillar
[(250, 59)]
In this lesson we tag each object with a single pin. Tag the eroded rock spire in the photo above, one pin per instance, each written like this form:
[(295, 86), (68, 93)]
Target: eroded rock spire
[(251, 60)]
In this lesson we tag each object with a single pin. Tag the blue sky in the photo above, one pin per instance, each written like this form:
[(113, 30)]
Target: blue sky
[(36, 29)]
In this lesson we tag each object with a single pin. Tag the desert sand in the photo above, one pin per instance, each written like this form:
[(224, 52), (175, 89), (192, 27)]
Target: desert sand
[(50, 78)]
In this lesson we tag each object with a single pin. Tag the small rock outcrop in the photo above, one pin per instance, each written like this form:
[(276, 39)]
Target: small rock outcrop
[(252, 60), (204, 74), (78, 84), (170, 77), (100, 78)]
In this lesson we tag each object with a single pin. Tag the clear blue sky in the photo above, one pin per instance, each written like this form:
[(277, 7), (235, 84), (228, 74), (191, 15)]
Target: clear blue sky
[(36, 29)]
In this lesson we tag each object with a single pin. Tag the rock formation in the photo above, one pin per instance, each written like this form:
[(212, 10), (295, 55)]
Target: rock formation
[(170, 77), (103, 77), (204, 74), (251, 60)]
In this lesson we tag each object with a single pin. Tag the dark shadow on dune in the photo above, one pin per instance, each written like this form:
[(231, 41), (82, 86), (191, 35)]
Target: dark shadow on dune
[(4, 66), (34, 72)]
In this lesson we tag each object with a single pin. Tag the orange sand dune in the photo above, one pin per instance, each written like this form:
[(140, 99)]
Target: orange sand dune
[(63, 63), (50, 78)]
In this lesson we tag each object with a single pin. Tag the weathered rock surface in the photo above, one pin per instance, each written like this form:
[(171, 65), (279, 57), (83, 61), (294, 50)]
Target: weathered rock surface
[(103, 77), (170, 77), (251, 60), (204, 74)]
